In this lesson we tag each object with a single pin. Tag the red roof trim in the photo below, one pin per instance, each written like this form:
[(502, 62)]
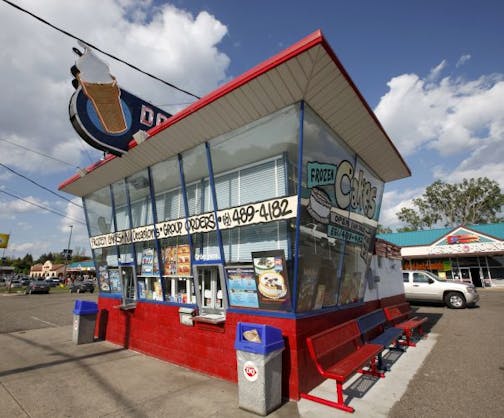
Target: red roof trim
[(299, 47), (296, 49)]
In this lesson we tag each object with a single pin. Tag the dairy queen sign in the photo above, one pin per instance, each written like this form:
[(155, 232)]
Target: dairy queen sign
[(103, 114)]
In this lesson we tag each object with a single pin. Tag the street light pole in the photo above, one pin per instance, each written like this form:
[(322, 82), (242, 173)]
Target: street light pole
[(67, 253)]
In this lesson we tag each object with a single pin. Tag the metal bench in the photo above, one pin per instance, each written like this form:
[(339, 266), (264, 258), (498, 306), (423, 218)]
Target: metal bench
[(339, 353), (373, 330), (399, 317)]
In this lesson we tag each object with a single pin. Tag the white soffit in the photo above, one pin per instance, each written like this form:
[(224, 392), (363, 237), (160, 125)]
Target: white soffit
[(308, 71)]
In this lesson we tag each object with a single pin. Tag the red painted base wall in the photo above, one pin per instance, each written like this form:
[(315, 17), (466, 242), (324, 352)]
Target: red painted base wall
[(155, 329)]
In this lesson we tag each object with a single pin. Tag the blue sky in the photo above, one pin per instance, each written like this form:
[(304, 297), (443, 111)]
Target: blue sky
[(433, 71)]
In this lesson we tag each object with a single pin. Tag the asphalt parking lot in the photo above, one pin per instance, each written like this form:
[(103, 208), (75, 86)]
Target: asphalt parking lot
[(463, 376), (43, 374)]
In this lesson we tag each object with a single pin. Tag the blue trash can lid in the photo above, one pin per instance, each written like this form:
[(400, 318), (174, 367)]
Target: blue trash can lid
[(85, 307), (258, 338)]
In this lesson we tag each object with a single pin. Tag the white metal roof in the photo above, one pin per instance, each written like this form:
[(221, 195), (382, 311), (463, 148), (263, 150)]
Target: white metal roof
[(309, 70)]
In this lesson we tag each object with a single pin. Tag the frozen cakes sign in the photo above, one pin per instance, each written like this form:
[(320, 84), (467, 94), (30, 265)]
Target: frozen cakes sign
[(347, 186), (102, 113)]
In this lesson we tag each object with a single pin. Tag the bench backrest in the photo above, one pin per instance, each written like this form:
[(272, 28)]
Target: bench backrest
[(371, 324), (397, 313), (333, 344)]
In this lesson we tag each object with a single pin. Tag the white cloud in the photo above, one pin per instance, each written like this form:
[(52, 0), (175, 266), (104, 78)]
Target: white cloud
[(450, 116), (36, 81), (170, 43), (393, 201), (462, 60)]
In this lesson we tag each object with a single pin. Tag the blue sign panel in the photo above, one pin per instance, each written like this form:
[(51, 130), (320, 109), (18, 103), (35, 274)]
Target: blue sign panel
[(137, 115)]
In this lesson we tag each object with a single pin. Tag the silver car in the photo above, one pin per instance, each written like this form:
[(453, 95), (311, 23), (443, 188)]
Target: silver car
[(421, 285)]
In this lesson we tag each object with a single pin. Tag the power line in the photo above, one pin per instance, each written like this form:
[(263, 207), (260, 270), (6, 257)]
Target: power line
[(39, 185), (40, 153), (42, 207), (98, 49)]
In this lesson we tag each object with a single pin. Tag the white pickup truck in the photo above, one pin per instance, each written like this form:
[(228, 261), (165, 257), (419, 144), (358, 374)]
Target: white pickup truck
[(421, 285)]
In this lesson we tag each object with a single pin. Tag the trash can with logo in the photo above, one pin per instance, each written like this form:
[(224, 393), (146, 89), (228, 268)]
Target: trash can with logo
[(259, 360), (84, 321)]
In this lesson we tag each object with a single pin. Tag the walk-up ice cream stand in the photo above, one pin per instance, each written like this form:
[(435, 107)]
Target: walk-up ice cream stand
[(257, 203)]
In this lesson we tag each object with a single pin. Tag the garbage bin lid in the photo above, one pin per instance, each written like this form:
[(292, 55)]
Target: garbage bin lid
[(85, 307), (258, 338)]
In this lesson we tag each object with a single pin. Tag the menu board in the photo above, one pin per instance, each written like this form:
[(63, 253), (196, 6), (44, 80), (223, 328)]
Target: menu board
[(271, 279), (177, 261), (115, 280), (148, 262), (242, 287), (103, 279)]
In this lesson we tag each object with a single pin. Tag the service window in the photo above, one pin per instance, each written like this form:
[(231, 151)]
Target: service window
[(211, 294)]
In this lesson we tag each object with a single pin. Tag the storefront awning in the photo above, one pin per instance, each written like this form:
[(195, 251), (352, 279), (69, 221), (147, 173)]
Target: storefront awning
[(308, 70)]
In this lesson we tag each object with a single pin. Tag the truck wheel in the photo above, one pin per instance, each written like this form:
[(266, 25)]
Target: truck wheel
[(455, 300)]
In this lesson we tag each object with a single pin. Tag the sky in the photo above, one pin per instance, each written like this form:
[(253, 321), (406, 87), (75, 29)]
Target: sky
[(432, 71)]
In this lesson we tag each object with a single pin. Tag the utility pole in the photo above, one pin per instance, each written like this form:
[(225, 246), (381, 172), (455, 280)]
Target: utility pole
[(67, 253)]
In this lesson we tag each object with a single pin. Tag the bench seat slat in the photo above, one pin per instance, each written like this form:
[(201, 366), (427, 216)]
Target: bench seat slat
[(388, 337), (350, 364)]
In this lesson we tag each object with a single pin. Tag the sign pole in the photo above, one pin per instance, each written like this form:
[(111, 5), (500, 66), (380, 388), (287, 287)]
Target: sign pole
[(67, 253)]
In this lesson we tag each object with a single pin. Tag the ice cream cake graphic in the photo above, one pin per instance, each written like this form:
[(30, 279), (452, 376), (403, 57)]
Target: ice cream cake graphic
[(319, 205), (101, 88)]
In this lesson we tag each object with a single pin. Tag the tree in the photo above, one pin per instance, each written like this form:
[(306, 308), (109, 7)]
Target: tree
[(383, 229), (473, 201)]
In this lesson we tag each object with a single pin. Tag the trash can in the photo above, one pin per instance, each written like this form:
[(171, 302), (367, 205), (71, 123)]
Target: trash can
[(84, 321), (259, 361)]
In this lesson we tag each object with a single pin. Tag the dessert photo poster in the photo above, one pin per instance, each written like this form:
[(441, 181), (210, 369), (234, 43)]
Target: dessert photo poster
[(271, 279)]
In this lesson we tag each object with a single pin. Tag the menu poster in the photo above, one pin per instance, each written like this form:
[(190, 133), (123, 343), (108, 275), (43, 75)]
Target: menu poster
[(115, 280), (177, 261), (242, 287), (183, 260), (103, 279), (148, 262), (271, 279), (170, 261)]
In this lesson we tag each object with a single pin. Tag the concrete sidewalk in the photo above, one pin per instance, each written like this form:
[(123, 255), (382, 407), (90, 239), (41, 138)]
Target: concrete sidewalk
[(44, 374)]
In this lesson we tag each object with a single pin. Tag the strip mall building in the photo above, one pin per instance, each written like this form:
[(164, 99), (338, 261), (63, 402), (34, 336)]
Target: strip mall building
[(258, 203), (472, 253)]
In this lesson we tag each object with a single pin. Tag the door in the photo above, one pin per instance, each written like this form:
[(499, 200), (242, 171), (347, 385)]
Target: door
[(465, 275), (128, 284), (211, 289), (424, 287)]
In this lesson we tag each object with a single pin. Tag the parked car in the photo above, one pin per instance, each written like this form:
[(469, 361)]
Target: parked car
[(25, 281), (421, 285), (82, 286), (37, 286), (52, 281)]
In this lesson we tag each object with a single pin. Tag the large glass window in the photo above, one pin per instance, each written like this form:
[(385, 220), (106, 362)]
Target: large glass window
[(195, 164), (253, 164), (99, 212), (139, 193), (341, 198), (121, 205), (168, 193)]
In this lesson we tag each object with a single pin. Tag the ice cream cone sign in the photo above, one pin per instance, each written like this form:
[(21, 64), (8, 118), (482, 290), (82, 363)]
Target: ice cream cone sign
[(102, 90), (105, 115)]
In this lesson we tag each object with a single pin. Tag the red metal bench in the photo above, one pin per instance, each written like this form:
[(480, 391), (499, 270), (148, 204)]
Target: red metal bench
[(339, 353), (399, 317), (373, 330)]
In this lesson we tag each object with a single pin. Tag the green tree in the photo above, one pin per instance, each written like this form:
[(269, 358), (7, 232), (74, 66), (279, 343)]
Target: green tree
[(473, 201)]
